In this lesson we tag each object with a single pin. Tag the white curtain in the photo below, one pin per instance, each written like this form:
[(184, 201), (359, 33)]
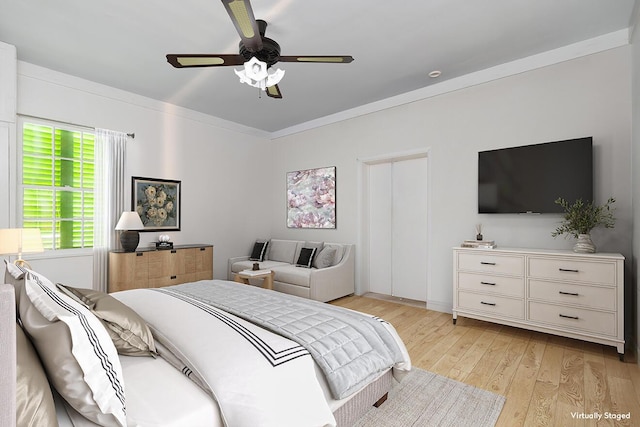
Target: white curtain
[(110, 148)]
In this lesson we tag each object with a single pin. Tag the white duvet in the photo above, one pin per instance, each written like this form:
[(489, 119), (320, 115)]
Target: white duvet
[(258, 378)]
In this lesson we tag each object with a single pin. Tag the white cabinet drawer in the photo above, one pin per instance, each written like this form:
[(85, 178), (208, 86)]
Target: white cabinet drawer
[(585, 271), (574, 294), (503, 285), (491, 304), (491, 263), (599, 322)]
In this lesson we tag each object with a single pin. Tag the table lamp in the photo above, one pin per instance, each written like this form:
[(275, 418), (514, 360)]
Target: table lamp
[(16, 241), (129, 223)]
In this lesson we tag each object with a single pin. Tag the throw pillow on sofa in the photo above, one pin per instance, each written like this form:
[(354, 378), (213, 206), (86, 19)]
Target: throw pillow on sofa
[(325, 258), (258, 252), (306, 257)]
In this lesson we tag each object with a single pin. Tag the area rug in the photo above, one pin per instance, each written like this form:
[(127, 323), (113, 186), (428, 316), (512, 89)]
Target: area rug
[(426, 399)]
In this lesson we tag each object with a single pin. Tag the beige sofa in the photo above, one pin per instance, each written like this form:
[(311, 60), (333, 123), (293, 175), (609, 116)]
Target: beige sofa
[(320, 284)]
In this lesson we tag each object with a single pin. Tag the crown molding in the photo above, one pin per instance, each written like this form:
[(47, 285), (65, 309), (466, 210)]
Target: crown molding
[(551, 57), (32, 71)]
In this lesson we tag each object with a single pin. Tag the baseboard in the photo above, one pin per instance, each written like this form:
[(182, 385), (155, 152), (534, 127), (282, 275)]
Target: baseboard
[(444, 307), (405, 301)]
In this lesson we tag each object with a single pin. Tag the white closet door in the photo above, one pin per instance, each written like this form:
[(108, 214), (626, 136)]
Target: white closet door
[(409, 229), (380, 204)]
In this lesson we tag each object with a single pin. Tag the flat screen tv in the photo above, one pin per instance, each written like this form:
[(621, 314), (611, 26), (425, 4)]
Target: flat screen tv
[(530, 178)]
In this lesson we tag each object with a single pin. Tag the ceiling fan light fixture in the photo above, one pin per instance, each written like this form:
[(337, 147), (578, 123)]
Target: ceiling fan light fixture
[(256, 52), (255, 74)]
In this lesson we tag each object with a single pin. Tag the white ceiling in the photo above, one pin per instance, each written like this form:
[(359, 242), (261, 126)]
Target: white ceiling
[(395, 45)]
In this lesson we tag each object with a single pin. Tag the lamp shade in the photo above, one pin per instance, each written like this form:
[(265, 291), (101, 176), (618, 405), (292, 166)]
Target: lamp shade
[(130, 221), (20, 240)]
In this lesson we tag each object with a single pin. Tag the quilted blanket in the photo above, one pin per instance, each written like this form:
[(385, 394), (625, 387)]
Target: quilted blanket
[(351, 348), (258, 378)]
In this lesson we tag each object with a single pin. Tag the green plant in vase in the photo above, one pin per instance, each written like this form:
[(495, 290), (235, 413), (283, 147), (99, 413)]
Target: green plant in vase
[(580, 218)]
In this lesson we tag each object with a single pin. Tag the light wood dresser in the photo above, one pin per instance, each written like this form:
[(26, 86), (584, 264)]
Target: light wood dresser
[(153, 268), (574, 295)]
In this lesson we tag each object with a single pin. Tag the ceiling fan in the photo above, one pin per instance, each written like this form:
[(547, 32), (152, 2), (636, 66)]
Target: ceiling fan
[(253, 44)]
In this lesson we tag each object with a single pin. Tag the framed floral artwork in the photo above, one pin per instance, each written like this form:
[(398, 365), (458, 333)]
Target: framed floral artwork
[(157, 201), (311, 198)]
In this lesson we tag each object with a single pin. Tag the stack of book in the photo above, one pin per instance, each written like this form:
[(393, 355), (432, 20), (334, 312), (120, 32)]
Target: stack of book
[(481, 244)]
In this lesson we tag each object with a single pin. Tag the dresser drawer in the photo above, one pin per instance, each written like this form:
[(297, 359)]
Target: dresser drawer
[(599, 322), (585, 271), (569, 293), (491, 304), (491, 263), (503, 285)]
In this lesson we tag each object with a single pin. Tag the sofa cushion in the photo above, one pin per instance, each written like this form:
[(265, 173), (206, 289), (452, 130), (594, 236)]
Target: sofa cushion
[(293, 275), (339, 251), (317, 245), (306, 257), (259, 251), (325, 258), (248, 265), (282, 250)]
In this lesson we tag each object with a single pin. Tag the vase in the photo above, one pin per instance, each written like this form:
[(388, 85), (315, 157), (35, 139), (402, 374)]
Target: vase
[(584, 245)]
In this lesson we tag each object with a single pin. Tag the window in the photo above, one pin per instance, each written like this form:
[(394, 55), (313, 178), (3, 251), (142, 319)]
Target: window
[(58, 183)]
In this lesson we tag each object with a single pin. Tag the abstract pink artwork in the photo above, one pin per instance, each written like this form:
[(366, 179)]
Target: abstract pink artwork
[(311, 198)]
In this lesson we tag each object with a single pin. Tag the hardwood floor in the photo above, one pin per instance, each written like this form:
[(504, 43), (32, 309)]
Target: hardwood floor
[(545, 378)]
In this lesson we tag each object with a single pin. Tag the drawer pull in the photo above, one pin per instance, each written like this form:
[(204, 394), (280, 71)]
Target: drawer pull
[(203, 249), (173, 277), (568, 317), (566, 270), (488, 303), (574, 294), (173, 251), (487, 263), (487, 283), (139, 254)]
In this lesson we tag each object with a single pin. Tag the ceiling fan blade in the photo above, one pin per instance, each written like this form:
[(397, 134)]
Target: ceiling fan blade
[(274, 92), (315, 58), (204, 60), (242, 16)]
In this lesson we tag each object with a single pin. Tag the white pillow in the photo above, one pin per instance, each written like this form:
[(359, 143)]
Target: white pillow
[(80, 359), (13, 271)]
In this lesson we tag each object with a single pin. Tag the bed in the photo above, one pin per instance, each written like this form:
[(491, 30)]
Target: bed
[(213, 353)]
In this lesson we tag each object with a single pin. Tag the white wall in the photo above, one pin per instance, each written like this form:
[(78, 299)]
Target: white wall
[(218, 163), (228, 202), (589, 96), (635, 69), (8, 62)]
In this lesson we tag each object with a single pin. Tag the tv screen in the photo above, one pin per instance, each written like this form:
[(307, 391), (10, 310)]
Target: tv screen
[(530, 178)]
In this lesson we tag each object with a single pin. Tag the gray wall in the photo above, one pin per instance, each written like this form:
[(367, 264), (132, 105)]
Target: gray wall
[(218, 163), (589, 96), (221, 164), (635, 295)]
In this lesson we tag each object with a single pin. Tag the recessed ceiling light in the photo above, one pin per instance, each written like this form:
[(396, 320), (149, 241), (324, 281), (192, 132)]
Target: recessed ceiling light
[(435, 74)]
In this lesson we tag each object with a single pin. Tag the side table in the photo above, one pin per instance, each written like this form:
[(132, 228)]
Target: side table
[(265, 275)]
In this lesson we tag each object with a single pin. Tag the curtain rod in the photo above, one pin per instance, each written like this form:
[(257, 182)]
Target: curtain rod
[(131, 135)]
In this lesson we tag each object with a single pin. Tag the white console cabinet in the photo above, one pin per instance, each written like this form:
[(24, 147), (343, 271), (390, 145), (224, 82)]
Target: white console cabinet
[(558, 292)]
